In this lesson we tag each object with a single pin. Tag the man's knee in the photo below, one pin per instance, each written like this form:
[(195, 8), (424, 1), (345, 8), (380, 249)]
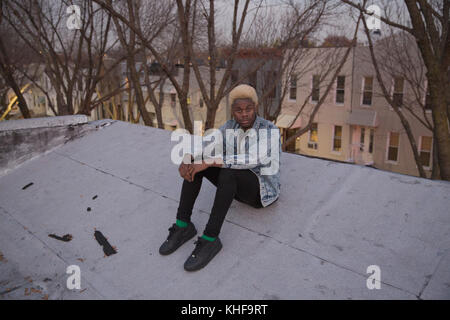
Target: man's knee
[(226, 176)]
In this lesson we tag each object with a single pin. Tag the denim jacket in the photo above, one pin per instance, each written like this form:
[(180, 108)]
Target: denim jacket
[(269, 183)]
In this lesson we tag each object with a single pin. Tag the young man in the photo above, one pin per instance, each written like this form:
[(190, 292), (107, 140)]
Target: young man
[(250, 183)]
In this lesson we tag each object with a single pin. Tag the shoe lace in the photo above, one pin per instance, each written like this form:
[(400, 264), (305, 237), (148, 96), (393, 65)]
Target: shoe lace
[(199, 244), (172, 230)]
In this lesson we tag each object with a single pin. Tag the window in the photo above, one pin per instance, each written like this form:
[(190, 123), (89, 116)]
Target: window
[(361, 139), (315, 88), (313, 136), (293, 87), (41, 102), (337, 139), (173, 98), (398, 91), (371, 141), (340, 89), (201, 103), (394, 139), (367, 91), (425, 150)]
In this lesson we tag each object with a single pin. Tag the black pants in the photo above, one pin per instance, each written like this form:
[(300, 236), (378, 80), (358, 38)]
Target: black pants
[(242, 185)]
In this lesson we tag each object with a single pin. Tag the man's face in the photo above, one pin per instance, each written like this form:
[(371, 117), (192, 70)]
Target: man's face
[(244, 112)]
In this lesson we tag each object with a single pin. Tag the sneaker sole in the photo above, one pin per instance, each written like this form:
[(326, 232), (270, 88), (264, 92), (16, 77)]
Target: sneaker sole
[(175, 249)]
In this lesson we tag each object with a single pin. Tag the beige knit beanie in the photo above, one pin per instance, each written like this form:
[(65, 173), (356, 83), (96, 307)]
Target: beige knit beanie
[(244, 91)]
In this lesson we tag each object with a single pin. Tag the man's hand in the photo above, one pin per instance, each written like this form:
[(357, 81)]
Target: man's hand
[(185, 170), (197, 167), (189, 170)]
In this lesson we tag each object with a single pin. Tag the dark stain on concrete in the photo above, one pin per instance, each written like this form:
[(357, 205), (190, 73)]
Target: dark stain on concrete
[(65, 238), (28, 185), (23, 144), (103, 241)]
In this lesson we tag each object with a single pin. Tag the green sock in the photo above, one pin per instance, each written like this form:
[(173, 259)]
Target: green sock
[(182, 224), (208, 238)]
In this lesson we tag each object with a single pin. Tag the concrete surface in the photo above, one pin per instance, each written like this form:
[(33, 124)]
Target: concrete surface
[(331, 222)]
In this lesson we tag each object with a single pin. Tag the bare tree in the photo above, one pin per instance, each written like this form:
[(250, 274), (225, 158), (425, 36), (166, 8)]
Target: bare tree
[(185, 17), (216, 91), (73, 59), (158, 22), (330, 69), (291, 34), (429, 24), (132, 9), (7, 67)]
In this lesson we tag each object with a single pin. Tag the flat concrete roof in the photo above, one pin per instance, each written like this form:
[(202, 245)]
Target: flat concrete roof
[(331, 222)]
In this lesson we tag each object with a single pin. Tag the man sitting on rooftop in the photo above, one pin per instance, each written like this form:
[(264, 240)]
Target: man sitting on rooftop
[(255, 183)]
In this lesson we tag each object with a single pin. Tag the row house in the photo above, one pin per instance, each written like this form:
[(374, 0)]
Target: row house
[(171, 109), (355, 123)]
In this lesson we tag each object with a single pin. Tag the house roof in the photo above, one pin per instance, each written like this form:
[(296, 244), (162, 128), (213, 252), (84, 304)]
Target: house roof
[(331, 223)]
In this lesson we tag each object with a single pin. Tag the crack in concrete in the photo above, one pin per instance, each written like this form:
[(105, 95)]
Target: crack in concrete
[(428, 278), (114, 176)]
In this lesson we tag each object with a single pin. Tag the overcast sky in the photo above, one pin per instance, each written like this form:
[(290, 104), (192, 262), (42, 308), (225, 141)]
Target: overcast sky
[(343, 23)]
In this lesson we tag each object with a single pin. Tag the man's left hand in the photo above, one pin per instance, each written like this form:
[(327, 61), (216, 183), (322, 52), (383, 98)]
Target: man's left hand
[(197, 167)]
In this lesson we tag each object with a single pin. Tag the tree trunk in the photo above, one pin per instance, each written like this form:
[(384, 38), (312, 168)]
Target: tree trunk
[(435, 173), (441, 130), (437, 66), (7, 73), (211, 117)]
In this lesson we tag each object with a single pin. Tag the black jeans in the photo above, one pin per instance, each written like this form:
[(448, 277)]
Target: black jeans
[(239, 184)]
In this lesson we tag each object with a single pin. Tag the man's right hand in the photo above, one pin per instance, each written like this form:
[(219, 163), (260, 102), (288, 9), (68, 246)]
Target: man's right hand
[(185, 170)]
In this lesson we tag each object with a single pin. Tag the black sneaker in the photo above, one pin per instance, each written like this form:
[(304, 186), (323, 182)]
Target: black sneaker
[(177, 237), (203, 253)]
